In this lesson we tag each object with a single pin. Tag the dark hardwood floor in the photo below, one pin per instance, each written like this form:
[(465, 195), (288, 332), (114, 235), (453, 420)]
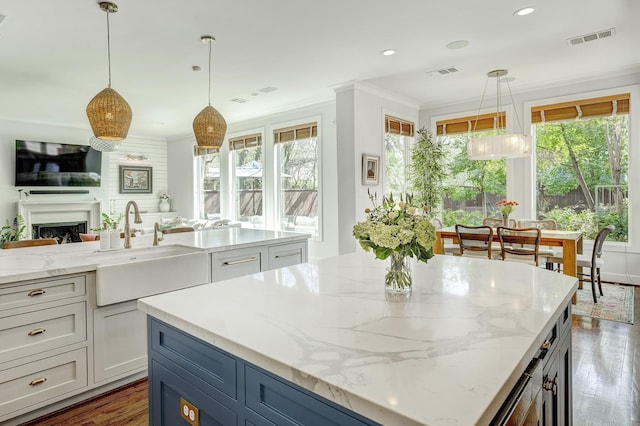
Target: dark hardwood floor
[(606, 370), (606, 382)]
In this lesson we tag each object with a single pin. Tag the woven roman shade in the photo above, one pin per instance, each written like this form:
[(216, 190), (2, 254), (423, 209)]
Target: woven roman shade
[(471, 123), (201, 150), (244, 142), (397, 126), (585, 108), (302, 131)]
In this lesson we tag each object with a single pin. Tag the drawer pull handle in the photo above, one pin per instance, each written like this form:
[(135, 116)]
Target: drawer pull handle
[(236, 262), (37, 292), (36, 331), (39, 381), (280, 256)]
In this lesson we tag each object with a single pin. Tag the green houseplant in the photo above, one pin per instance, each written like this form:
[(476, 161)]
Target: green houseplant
[(427, 171), (12, 231)]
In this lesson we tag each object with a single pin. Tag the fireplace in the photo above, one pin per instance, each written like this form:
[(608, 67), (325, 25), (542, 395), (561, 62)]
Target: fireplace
[(68, 232), (45, 219)]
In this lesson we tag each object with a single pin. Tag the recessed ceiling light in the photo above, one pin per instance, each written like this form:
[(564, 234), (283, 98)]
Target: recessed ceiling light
[(388, 52), (523, 11), (458, 44)]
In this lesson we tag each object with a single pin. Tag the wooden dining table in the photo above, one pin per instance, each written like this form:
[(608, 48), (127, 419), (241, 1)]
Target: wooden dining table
[(570, 241)]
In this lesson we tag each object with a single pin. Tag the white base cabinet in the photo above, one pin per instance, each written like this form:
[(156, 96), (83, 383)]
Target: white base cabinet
[(119, 341)]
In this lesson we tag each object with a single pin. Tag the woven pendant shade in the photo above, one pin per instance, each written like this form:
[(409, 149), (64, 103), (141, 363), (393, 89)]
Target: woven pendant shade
[(109, 115), (209, 127)]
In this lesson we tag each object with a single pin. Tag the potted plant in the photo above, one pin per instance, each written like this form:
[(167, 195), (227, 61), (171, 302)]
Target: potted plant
[(164, 205), (428, 171), (12, 231)]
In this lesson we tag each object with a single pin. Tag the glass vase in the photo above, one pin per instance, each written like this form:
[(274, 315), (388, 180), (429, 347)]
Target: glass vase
[(397, 280)]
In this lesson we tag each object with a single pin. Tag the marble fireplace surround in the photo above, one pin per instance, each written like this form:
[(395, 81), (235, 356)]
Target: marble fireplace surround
[(38, 212)]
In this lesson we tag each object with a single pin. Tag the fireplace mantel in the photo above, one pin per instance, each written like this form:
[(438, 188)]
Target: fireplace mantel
[(35, 212)]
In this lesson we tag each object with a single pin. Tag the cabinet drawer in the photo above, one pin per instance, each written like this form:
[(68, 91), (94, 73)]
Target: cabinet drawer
[(287, 255), (282, 404), (48, 379), (197, 357), (42, 291), (235, 263), (38, 331)]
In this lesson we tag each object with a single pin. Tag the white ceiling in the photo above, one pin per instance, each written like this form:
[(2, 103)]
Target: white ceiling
[(53, 54)]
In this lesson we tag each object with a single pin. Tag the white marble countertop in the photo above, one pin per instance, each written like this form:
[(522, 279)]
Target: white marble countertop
[(449, 356), (46, 261)]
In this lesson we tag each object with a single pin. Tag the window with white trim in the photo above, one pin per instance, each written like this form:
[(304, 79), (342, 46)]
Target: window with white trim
[(398, 141), (297, 167), (248, 177)]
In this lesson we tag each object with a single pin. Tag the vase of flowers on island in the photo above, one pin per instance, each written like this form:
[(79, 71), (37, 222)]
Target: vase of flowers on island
[(164, 205), (396, 232), (506, 208)]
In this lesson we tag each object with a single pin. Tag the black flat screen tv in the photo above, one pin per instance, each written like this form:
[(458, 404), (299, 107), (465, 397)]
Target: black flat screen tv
[(57, 164)]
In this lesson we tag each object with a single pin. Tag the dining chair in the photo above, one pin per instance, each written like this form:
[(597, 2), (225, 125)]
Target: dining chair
[(474, 239), (494, 222), (519, 242), (30, 243), (545, 252), (593, 262), (448, 248), (178, 229)]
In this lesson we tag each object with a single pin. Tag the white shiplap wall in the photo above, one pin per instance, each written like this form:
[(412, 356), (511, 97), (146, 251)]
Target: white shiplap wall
[(156, 153)]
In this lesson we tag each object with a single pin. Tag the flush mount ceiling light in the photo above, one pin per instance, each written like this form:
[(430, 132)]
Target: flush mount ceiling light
[(458, 44), (388, 52), (109, 114), (499, 145), (524, 11), (209, 125)]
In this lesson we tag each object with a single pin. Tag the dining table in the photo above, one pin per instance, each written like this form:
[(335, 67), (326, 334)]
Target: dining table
[(570, 241)]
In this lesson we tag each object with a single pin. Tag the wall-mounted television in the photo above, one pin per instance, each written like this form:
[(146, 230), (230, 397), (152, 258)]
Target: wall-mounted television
[(57, 164)]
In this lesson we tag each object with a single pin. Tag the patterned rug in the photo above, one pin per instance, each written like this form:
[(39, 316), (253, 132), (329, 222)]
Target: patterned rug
[(615, 305)]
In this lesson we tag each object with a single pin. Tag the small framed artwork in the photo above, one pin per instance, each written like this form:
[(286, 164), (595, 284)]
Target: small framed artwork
[(136, 180), (370, 169)]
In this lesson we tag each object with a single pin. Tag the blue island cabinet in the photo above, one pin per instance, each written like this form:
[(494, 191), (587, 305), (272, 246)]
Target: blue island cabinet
[(193, 382)]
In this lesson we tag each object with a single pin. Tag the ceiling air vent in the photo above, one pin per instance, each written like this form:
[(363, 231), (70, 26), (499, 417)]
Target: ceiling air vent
[(443, 71), (239, 100), (574, 41), (267, 89)]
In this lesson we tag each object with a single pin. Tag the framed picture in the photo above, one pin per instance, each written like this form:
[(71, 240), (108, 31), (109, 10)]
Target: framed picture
[(136, 180), (370, 169)]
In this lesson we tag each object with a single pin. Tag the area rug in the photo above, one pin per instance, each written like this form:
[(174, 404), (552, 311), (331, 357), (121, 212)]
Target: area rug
[(615, 305)]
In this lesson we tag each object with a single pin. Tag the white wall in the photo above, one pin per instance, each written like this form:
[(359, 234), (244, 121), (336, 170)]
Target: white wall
[(622, 260), (156, 150)]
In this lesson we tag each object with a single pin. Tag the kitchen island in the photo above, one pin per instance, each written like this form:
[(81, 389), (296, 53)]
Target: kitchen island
[(319, 340)]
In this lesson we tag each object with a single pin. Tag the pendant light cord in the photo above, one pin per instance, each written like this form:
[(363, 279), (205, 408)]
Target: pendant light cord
[(210, 42), (109, 48)]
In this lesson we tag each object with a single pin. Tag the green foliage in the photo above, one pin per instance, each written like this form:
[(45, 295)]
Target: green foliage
[(451, 217), (428, 170), (12, 231), (109, 222), (589, 222)]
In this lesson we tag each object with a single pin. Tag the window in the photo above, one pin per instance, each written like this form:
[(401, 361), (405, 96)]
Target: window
[(208, 174), (398, 140), (582, 153), (246, 157), (296, 153), (473, 187)]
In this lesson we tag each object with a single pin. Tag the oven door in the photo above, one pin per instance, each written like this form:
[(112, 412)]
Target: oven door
[(523, 406)]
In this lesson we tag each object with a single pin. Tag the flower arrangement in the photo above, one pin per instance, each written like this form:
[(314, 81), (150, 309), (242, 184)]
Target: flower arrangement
[(506, 207), (396, 228), (165, 196)]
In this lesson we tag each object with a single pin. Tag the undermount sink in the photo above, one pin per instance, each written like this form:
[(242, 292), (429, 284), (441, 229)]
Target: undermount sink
[(133, 273)]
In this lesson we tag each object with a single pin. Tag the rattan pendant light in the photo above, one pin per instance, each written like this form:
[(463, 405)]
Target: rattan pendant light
[(109, 114), (209, 125)]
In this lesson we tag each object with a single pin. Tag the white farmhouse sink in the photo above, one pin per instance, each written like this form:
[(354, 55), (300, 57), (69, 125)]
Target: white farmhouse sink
[(129, 274)]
